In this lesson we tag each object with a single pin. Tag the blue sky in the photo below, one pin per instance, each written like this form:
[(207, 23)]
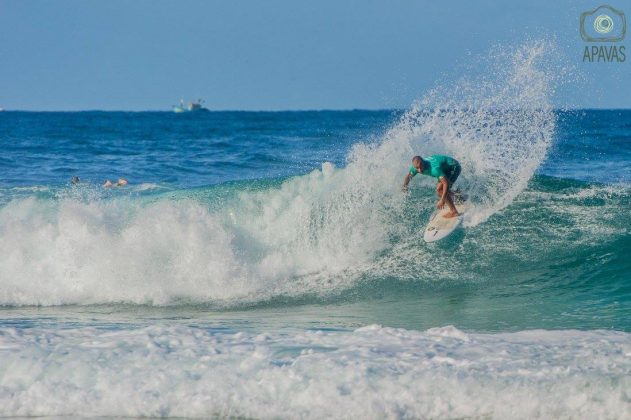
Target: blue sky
[(276, 54)]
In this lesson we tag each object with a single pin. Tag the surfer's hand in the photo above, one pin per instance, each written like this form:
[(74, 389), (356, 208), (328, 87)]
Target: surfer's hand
[(440, 205)]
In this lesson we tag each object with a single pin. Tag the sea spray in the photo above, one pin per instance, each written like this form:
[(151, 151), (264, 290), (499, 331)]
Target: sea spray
[(318, 233), (498, 125)]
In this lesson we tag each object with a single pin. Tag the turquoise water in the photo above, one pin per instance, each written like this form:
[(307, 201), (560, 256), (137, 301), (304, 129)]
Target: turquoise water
[(268, 265), (555, 258)]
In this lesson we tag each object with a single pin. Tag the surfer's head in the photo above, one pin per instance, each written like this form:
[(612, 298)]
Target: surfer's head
[(418, 163)]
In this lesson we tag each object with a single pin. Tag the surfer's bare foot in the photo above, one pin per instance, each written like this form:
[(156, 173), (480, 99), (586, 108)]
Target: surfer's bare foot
[(451, 214)]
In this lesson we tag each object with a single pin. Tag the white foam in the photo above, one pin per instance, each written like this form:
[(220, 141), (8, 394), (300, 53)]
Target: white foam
[(120, 249), (148, 186), (373, 372), (76, 252)]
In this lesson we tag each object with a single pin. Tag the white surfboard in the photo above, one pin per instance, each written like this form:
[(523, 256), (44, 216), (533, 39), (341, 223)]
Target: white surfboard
[(440, 227)]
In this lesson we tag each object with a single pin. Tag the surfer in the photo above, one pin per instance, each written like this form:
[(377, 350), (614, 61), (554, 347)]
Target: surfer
[(446, 169)]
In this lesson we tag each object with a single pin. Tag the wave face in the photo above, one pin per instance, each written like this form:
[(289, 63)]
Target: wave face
[(230, 247), (343, 231), (372, 372)]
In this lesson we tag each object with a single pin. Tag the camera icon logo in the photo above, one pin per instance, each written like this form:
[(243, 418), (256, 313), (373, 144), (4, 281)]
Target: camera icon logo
[(603, 24)]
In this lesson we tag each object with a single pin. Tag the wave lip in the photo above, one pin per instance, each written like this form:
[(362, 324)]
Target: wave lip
[(372, 372)]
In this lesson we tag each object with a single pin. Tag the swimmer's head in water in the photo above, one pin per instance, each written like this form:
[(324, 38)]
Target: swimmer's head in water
[(121, 182), (75, 180)]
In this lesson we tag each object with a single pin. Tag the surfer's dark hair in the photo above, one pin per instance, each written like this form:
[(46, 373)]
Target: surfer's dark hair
[(415, 158)]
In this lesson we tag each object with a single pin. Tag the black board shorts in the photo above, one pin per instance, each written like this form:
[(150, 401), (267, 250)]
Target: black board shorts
[(452, 173)]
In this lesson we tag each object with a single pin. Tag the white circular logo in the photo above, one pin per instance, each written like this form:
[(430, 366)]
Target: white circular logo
[(603, 24)]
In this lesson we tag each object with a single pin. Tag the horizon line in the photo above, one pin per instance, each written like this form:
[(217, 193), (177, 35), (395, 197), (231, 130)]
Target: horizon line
[(276, 110)]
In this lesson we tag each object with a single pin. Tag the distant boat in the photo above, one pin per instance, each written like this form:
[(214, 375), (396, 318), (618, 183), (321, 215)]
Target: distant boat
[(191, 107)]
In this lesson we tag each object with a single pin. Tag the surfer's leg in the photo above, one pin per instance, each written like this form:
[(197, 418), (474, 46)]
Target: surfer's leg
[(452, 207), (450, 197), (449, 200)]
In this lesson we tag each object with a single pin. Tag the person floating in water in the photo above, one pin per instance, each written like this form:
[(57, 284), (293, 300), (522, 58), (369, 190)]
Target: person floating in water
[(120, 183), (446, 169)]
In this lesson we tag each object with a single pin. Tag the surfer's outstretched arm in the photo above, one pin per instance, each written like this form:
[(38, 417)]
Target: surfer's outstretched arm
[(406, 182)]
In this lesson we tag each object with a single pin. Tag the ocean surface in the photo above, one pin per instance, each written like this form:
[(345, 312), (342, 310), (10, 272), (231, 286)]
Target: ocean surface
[(267, 264)]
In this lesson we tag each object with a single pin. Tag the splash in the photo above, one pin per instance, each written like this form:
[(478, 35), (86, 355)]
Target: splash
[(499, 126), (315, 233)]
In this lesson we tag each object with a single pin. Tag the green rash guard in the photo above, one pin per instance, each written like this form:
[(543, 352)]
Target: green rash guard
[(439, 166)]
